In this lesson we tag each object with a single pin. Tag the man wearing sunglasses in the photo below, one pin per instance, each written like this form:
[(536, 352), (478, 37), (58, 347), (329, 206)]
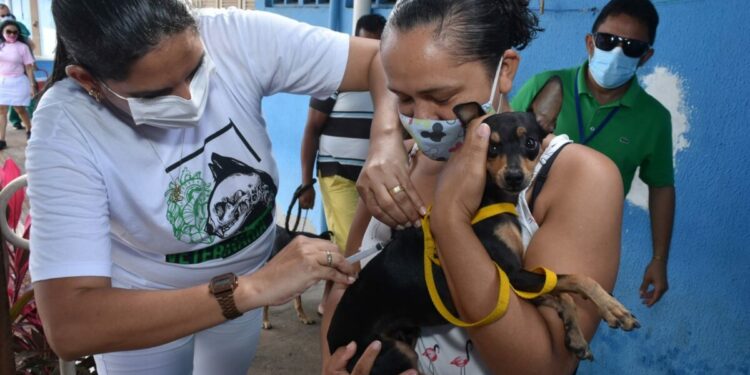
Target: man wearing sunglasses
[(605, 108)]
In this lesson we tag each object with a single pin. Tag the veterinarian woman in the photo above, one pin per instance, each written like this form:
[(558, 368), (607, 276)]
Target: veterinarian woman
[(152, 181), (437, 54)]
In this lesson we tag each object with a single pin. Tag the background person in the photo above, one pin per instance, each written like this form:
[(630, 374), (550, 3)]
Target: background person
[(338, 133), (6, 14), (17, 82), (152, 182), (438, 54), (604, 107)]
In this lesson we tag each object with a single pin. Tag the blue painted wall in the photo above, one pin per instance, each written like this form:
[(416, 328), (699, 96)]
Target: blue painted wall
[(702, 325)]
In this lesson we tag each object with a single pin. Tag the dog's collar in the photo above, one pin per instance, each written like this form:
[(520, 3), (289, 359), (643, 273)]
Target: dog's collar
[(487, 212), (484, 213)]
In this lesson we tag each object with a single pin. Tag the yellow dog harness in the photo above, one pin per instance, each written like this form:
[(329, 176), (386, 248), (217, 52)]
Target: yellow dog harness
[(503, 298)]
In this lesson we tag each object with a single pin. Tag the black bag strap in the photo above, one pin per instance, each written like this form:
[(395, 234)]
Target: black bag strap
[(541, 177)]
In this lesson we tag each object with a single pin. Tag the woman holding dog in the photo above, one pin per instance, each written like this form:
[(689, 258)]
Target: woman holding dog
[(438, 54), (152, 182)]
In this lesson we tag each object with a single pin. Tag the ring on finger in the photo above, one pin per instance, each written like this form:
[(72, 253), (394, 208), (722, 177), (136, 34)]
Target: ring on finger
[(329, 258), (397, 189)]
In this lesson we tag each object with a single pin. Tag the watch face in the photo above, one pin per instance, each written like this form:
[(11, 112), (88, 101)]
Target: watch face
[(223, 283)]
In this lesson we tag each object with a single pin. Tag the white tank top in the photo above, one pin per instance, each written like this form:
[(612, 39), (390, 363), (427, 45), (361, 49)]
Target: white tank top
[(448, 349)]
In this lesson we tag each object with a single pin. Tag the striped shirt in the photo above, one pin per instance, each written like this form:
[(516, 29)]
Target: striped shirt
[(345, 138)]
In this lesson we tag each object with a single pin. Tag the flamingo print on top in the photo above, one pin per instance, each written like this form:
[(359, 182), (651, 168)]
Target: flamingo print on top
[(444, 352)]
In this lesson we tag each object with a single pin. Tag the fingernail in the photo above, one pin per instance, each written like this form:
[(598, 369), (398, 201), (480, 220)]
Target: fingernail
[(411, 372), (351, 279), (399, 227), (351, 346), (483, 131), (418, 224), (376, 345), (422, 211), (408, 225)]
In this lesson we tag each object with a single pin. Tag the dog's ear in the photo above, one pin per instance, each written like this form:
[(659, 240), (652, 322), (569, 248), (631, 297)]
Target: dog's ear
[(467, 112), (547, 103)]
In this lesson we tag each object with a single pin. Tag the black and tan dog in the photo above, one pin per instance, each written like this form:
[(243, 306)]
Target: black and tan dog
[(390, 301)]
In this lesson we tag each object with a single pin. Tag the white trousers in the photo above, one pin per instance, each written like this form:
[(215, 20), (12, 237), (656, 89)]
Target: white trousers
[(226, 349)]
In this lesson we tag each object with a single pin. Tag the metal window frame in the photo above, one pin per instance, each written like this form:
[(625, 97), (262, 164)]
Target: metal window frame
[(220, 3), (375, 3), (297, 3)]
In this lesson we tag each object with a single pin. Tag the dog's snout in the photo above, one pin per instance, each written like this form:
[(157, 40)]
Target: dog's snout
[(514, 177)]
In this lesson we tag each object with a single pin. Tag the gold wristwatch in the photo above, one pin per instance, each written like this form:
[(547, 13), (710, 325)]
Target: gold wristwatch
[(222, 288)]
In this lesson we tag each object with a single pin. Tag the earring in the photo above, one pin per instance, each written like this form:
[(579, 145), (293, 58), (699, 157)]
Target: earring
[(96, 95)]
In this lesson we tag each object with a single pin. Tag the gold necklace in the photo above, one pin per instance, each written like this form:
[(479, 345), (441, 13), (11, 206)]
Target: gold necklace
[(175, 194)]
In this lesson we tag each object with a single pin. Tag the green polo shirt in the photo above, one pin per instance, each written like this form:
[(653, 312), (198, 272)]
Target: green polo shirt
[(638, 135)]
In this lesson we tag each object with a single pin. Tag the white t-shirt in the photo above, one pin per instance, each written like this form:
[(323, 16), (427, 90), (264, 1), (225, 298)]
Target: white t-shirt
[(448, 349), (101, 189)]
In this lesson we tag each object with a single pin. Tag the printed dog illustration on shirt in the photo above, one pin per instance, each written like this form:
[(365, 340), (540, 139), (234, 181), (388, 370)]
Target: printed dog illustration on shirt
[(241, 194)]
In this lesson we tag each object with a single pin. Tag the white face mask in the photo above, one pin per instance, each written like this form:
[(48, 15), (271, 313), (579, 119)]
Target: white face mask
[(172, 111), (438, 139)]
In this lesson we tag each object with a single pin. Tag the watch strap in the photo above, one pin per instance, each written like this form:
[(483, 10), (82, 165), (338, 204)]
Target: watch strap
[(228, 307), (222, 288)]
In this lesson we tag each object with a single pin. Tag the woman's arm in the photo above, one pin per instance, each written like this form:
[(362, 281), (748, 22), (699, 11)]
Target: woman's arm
[(85, 315), (32, 79), (579, 212), (385, 167)]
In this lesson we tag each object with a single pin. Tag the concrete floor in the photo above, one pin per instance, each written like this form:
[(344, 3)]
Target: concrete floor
[(290, 347), (16, 140)]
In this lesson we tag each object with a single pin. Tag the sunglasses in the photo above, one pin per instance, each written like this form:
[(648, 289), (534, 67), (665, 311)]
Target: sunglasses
[(11, 32), (631, 47)]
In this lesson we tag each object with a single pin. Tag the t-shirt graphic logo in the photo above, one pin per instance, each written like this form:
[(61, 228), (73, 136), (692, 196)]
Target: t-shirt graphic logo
[(230, 207), (227, 203), (188, 215)]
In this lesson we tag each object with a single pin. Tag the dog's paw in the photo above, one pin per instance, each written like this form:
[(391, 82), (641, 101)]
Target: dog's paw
[(617, 316), (305, 320), (579, 346), (267, 325)]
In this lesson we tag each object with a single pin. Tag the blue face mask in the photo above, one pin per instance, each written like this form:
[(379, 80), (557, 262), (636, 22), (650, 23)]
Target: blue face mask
[(438, 139), (612, 69)]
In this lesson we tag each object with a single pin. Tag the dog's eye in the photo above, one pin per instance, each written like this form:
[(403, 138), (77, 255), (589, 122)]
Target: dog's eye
[(531, 144), (494, 150)]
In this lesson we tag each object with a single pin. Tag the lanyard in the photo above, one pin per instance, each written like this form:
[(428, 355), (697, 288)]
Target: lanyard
[(579, 113)]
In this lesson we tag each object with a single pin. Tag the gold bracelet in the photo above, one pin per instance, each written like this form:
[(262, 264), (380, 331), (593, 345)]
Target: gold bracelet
[(660, 258)]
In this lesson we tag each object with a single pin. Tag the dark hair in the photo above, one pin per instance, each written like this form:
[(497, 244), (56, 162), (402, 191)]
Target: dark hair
[(477, 30), (642, 10), (106, 37), (7, 23), (373, 23)]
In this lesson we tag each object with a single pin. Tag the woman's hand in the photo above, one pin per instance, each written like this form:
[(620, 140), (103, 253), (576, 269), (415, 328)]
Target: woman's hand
[(336, 365), (461, 184), (298, 266), (386, 189)]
